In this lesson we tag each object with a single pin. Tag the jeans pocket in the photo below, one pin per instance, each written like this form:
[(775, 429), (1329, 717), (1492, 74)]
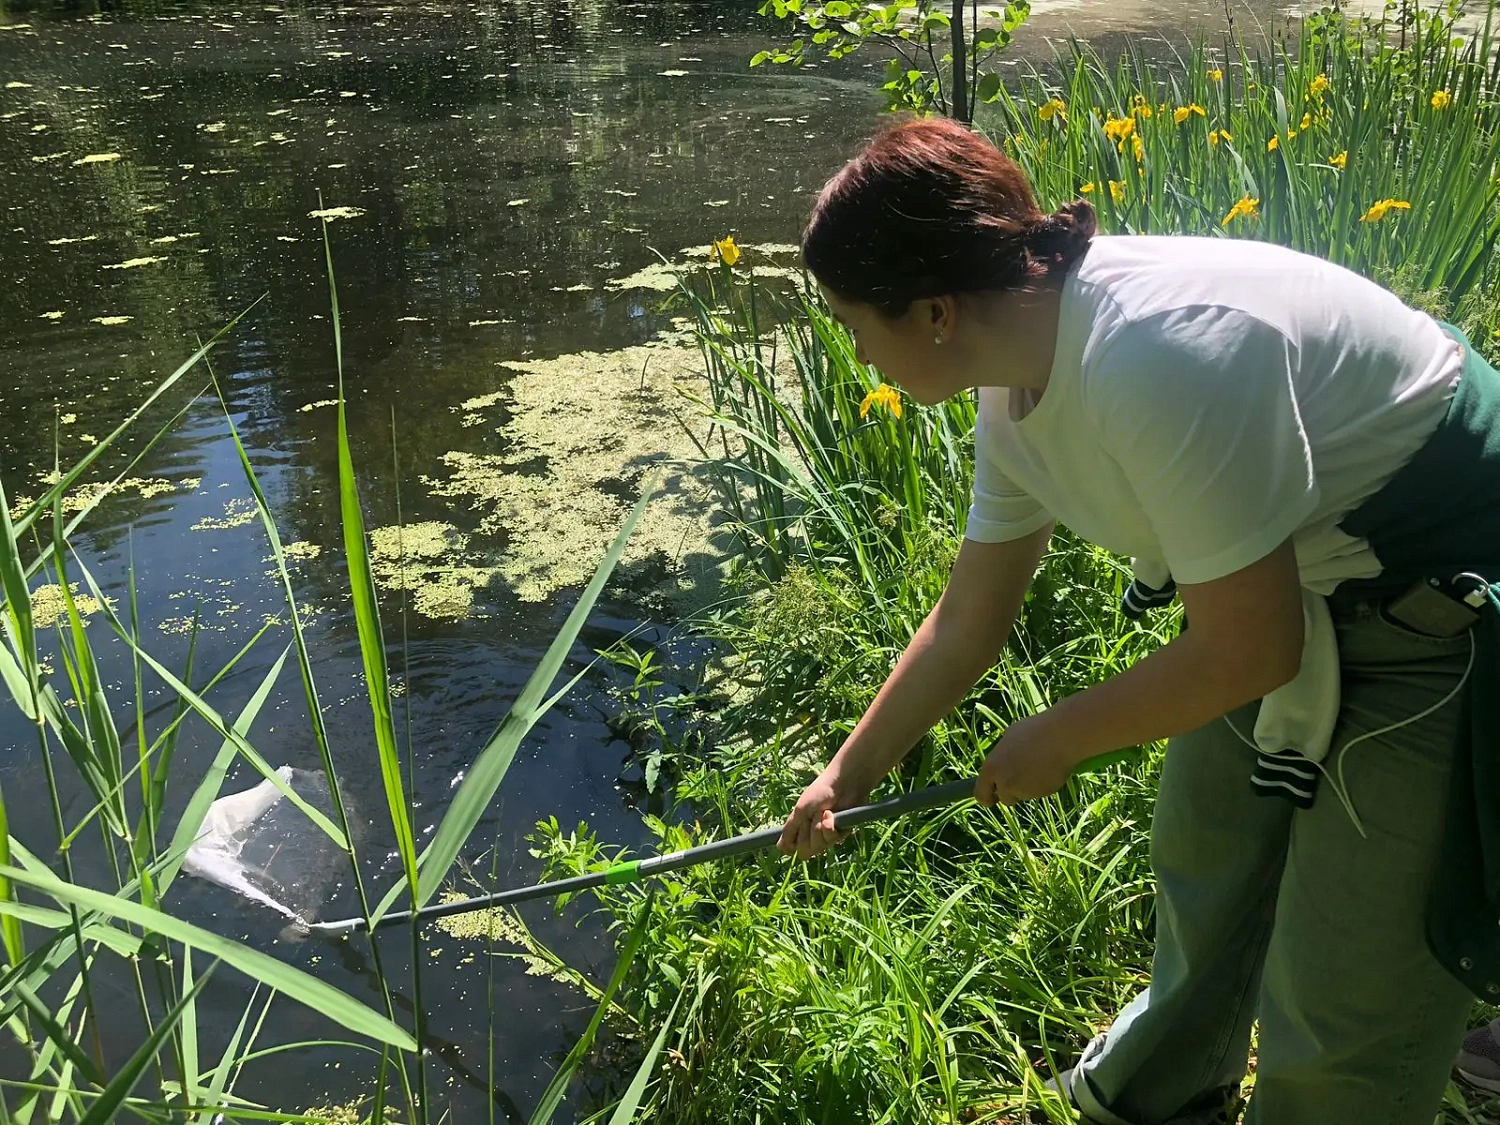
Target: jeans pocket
[(1382, 617)]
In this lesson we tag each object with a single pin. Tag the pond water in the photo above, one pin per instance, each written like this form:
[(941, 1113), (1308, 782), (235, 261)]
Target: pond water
[(510, 172)]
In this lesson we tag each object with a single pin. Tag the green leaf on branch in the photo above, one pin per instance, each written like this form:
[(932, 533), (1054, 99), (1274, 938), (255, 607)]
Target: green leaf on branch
[(988, 88), (760, 57)]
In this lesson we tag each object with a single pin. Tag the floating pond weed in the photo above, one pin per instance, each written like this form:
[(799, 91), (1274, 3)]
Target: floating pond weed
[(580, 425), (426, 559), (48, 606)]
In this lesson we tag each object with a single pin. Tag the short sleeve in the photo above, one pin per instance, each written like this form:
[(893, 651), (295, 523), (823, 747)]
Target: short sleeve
[(1000, 510), (1198, 407)]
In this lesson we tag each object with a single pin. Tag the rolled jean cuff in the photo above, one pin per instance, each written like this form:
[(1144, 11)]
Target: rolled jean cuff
[(1093, 1110)]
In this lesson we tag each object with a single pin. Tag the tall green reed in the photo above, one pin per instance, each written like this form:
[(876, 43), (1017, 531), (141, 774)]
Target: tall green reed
[(55, 953), (1381, 159)]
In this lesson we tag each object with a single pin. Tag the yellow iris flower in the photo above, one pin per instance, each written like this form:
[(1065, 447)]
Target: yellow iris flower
[(1117, 191), (1441, 99), (1216, 75), (1087, 189), (1379, 210), (885, 396), (724, 250), (1340, 160), (1318, 87), (1246, 208), (1119, 130), (1055, 108), (1183, 112), (1217, 135)]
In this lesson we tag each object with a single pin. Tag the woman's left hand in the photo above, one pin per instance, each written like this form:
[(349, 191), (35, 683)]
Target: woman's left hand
[(1025, 763)]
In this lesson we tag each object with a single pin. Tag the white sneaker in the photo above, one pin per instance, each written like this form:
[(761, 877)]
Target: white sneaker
[(1479, 1060)]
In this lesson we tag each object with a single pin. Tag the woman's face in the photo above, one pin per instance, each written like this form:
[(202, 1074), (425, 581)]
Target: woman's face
[(905, 350)]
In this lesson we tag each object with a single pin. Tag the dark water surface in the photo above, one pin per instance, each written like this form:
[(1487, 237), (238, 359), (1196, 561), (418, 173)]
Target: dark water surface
[(508, 160)]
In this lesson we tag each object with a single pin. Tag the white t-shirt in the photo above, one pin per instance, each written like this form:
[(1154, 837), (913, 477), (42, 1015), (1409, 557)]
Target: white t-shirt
[(1209, 398)]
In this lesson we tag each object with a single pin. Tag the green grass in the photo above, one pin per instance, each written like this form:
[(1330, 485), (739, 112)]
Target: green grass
[(59, 936), (932, 970), (938, 969), (1354, 122)]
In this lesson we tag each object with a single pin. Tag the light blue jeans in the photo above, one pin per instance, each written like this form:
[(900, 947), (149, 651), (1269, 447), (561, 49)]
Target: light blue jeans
[(1293, 918)]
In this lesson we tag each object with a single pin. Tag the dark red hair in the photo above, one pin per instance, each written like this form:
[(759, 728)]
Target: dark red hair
[(930, 208)]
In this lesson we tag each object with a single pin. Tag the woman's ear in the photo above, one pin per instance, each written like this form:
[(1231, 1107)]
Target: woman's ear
[(941, 315)]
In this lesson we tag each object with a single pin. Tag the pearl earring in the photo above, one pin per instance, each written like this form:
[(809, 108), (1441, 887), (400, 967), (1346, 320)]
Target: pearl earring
[(938, 339)]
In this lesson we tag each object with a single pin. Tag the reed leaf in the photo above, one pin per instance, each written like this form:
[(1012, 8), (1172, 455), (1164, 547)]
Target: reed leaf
[(291, 982), (103, 1110), (367, 610)]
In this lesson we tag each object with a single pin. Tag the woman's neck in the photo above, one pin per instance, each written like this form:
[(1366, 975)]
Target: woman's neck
[(1011, 338)]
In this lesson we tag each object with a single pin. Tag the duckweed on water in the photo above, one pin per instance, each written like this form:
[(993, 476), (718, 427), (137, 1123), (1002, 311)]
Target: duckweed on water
[(424, 559), (237, 513), (593, 420), (343, 1114), (301, 549), (135, 263), (495, 924), (330, 214), (661, 277), (48, 606), (86, 495)]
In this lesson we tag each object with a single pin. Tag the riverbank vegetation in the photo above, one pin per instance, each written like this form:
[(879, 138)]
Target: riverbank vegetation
[(941, 968), (95, 952), (936, 969)]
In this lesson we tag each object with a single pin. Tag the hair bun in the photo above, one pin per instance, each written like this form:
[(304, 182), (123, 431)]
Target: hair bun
[(1060, 239)]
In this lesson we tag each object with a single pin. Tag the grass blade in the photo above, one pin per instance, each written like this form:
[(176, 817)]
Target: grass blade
[(103, 1110), (191, 822), (58, 1035), (70, 478), (367, 610), (212, 717), (625, 1112), (552, 1097), (294, 983)]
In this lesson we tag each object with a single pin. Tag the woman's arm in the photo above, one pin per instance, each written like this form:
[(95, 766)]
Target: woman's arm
[(1245, 641), (959, 639)]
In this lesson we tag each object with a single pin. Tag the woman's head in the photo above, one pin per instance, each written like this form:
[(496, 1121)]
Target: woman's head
[(930, 210)]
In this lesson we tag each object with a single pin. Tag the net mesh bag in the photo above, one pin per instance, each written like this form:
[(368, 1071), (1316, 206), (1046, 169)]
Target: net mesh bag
[(259, 844)]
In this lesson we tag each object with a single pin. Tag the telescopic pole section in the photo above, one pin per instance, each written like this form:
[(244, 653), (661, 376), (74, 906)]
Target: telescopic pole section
[(932, 797)]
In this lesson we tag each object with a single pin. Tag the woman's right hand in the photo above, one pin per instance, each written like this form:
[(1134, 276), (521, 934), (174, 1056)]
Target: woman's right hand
[(809, 830)]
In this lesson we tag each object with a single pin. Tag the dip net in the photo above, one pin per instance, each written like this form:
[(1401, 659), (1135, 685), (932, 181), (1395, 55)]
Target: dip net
[(259, 844)]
